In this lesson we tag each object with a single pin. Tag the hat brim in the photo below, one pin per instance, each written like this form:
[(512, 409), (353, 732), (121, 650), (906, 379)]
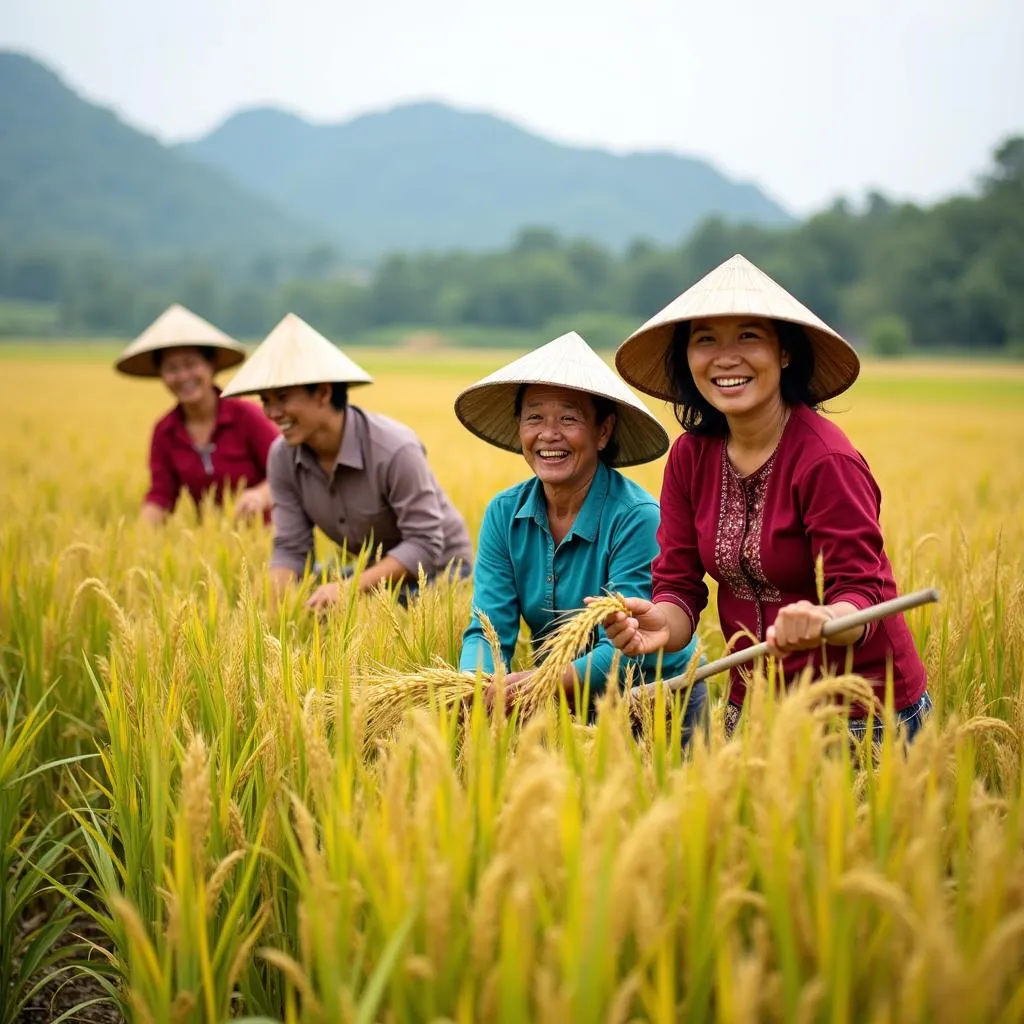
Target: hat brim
[(641, 359), (142, 364), (287, 382), (488, 411)]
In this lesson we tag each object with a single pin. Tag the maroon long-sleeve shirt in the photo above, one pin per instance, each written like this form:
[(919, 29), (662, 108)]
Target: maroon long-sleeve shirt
[(758, 537), (236, 455)]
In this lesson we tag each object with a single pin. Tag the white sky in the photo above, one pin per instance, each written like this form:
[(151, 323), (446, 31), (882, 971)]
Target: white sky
[(809, 98)]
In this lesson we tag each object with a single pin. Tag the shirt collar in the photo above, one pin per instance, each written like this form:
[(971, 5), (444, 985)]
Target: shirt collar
[(225, 414), (350, 453), (589, 516), (534, 506)]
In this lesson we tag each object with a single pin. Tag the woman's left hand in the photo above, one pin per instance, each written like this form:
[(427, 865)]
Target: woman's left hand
[(797, 627)]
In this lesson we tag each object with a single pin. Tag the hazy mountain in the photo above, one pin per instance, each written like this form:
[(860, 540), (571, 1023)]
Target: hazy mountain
[(428, 176), (73, 172)]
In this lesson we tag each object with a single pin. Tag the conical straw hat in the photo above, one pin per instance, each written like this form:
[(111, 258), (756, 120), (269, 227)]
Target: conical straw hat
[(735, 288), (294, 353), (487, 407), (174, 328)]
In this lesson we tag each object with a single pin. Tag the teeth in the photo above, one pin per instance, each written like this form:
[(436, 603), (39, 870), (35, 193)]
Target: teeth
[(549, 453), (286, 424), (730, 382)]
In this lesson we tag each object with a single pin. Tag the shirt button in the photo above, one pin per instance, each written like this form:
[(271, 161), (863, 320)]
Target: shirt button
[(550, 578)]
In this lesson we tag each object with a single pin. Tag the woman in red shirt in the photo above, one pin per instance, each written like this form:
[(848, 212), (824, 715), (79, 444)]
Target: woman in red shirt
[(759, 487), (206, 442)]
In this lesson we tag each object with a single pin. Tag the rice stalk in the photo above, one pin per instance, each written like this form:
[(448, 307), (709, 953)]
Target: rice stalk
[(561, 648)]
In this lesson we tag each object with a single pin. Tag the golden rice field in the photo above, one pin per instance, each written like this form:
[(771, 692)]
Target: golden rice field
[(212, 810)]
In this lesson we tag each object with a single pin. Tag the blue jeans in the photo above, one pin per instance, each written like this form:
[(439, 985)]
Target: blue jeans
[(909, 721), (695, 717)]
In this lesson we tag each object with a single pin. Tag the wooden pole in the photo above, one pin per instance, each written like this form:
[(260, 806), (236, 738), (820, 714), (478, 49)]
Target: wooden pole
[(748, 654)]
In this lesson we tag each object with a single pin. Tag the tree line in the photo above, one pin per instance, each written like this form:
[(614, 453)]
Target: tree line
[(896, 275)]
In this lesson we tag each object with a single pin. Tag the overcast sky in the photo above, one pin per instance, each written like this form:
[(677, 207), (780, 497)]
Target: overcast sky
[(809, 98)]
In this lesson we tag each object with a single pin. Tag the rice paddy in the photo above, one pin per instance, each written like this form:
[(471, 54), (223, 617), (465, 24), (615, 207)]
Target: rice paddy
[(215, 808)]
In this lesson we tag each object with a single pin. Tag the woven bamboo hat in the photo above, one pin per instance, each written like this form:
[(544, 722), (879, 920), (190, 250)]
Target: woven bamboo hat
[(487, 407), (294, 353), (735, 288), (174, 328)]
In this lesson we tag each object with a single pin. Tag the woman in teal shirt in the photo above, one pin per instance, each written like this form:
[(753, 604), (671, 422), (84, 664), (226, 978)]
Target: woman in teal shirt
[(577, 527)]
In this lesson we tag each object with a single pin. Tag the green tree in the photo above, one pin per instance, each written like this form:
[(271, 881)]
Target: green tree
[(889, 337), (36, 276)]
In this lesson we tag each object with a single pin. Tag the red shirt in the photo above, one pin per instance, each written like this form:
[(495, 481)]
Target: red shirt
[(236, 456), (758, 537)]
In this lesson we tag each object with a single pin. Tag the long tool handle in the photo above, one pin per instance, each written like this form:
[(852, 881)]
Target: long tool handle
[(833, 626)]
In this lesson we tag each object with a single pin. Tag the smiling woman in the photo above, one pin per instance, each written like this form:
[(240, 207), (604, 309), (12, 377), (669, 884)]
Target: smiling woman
[(578, 526), (739, 361), (206, 443), (762, 490)]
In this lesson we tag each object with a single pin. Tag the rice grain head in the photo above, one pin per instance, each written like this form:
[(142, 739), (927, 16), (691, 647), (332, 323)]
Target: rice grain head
[(562, 647), (196, 802)]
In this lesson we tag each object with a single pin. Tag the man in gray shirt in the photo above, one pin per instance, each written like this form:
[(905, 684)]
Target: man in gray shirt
[(361, 477)]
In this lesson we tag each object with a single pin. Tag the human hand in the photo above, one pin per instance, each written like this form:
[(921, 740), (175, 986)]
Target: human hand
[(512, 686), (797, 627), (252, 503), (643, 631), (324, 596)]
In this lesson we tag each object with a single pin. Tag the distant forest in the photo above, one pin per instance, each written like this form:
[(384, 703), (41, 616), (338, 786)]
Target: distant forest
[(895, 276)]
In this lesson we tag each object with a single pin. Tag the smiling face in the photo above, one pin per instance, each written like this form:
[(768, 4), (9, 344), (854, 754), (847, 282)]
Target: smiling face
[(299, 415), (187, 373), (737, 363), (560, 435)]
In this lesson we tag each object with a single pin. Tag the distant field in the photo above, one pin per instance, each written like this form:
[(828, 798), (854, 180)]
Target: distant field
[(908, 380), (246, 839)]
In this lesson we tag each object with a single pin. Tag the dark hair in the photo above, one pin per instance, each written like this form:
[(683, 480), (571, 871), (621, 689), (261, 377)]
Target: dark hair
[(698, 416), (603, 408), (206, 351), (339, 395)]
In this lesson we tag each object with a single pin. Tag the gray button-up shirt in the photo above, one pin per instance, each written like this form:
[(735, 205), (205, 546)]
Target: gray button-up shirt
[(381, 492)]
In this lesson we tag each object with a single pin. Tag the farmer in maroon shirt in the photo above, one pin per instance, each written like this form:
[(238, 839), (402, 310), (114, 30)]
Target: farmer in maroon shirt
[(206, 442), (760, 486)]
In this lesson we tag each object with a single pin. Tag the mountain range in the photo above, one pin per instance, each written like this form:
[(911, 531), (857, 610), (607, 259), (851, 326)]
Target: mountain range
[(75, 174), (415, 177), (425, 176)]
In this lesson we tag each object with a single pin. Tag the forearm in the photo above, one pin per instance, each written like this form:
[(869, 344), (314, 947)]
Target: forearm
[(680, 629), (389, 569), (281, 577), (849, 636)]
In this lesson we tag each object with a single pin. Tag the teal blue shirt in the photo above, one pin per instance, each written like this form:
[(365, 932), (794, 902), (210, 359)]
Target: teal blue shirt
[(520, 572)]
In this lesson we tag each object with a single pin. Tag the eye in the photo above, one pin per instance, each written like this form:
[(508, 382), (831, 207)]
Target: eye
[(568, 418), (702, 339)]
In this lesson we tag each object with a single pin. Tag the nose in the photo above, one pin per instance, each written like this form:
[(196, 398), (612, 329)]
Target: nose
[(727, 356)]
